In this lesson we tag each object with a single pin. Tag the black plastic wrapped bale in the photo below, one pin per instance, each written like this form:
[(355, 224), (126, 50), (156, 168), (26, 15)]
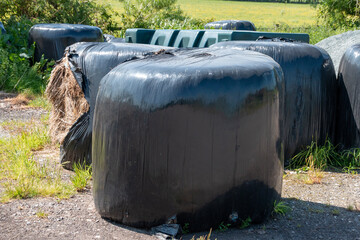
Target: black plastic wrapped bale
[(90, 62), (348, 114), (52, 39), (310, 90), (231, 25), (2, 28), (192, 133)]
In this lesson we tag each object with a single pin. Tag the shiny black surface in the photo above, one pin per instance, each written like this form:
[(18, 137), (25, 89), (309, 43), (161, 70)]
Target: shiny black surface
[(231, 25), (52, 39), (90, 62), (310, 90), (2, 29), (348, 114), (192, 133)]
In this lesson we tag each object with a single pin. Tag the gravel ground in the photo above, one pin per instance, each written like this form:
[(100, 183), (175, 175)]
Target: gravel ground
[(329, 210)]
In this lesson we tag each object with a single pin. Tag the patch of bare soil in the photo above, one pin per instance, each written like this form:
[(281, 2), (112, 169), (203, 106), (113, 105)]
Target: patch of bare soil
[(329, 210)]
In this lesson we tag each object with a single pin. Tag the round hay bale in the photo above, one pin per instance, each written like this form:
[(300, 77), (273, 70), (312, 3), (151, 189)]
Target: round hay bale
[(52, 39), (231, 25), (337, 45), (348, 115), (191, 133), (310, 90)]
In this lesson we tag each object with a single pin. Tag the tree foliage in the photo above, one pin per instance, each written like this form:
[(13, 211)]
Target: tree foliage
[(336, 13), (156, 14), (59, 11)]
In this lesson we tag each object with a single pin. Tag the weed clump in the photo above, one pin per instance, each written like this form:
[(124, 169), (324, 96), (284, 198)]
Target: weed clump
[(325, 156)]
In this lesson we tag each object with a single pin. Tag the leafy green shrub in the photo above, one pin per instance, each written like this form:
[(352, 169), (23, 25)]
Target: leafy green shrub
[(88, 12), (159, 14), (16, 72), (337, 13)]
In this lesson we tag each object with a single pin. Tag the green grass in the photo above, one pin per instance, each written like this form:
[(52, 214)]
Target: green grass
[(268, 17), (20, 174), (40, 101), (325, 156), (260, 13), (81, 177)]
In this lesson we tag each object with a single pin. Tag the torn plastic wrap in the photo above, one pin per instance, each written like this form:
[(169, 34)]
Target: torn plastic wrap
[(191, 133), (231, 25), (348, 114), (89, 62), (2, 28), (310, 90), (52, 39)]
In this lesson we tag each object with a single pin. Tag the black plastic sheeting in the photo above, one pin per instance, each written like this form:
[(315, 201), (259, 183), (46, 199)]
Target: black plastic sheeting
[(348, 114), (310, 90), (231, 25), (90, 62), (191, 133), (2, 28), (277, 39), (52, 39)]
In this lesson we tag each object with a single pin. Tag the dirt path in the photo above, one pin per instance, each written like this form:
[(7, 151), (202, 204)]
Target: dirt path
[(330, 210)]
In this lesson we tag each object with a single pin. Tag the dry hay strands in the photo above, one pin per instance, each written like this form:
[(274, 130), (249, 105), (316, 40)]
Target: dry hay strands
[(67, 100)]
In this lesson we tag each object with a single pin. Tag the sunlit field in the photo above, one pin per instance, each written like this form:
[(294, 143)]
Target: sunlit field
[(261, 14)]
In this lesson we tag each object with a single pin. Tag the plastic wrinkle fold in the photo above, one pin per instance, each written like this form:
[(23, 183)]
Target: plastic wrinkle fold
[(191, 133), (310, 90)]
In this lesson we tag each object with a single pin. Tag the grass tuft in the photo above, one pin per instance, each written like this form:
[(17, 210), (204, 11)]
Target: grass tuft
[(82, 176), (205, 237), (41, 214), (280, 208), (326, 156)]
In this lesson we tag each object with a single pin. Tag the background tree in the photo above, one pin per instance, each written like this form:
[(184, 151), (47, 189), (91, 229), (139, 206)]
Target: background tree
[(339, 13)]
